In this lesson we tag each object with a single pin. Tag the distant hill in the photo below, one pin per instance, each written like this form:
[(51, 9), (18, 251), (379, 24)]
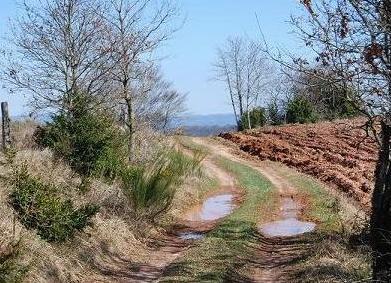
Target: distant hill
[(205, 125), (206, 120)]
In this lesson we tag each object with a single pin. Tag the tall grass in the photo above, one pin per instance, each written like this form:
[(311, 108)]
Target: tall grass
[(150, 189)]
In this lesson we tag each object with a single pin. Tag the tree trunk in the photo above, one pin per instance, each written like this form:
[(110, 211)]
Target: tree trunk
[(6, 129), (381, 213), (130, 125), (249, 119)]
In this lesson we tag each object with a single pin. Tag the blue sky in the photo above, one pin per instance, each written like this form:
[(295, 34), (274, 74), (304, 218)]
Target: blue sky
[(192, 50)]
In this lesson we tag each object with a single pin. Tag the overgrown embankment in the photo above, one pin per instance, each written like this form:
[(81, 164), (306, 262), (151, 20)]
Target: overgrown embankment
[(61, 224), (124, 241)]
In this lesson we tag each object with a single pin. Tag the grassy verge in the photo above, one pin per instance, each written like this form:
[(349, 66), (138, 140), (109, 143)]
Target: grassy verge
[(321, 207), (260, 196), (339, 255), (196, 188), (226, 249)]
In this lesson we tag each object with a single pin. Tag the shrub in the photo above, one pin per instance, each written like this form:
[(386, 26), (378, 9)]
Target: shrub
[(10, 270), (87, 139), (338, 107), (40, 207), (300, 110), (274, 114), (151, 189), (257, 118)]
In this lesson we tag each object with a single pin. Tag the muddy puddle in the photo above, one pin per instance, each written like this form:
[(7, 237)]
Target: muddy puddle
[(191, 236), (289, 225), (213, 208)]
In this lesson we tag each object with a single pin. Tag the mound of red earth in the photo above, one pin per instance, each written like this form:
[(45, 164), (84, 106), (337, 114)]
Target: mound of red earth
[(339, 153)]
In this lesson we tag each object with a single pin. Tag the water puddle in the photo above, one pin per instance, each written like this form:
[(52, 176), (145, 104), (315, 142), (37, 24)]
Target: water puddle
[(213, 208), (191, 236), (286, 228), (289, 225)]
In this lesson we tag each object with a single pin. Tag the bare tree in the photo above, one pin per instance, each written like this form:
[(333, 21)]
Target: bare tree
[(59, 52), (352, 39), (242, 66), (160, 102), (138, 28)]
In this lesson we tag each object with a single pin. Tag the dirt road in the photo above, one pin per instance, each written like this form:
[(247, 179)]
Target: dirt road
[(268, 254), (275, 252)]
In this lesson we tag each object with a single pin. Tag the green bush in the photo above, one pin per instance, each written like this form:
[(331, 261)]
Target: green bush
[(151, 189), (40, 207), (338, 107), (87, 139), (10, 270), (300, 110), (257, 118), (274, 114)]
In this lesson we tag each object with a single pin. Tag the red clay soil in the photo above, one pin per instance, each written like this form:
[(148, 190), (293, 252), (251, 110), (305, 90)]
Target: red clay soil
[(338, 153)]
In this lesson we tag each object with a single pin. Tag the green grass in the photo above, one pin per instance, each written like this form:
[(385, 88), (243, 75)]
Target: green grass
[(228, 247), (323, 208), (259, 191)]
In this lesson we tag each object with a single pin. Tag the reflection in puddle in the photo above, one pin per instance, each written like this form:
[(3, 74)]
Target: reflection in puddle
[(289, 225), (191, 236), (286, 228), (213, 208)]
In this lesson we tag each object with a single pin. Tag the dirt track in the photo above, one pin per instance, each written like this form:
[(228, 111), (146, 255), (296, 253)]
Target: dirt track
[(165, 249), (273, 258)]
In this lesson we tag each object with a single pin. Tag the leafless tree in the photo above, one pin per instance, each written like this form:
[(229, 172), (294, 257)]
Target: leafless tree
[(281, 94), (59, 50), (160, 102), (138, 28), (352, 38), (242, 66)]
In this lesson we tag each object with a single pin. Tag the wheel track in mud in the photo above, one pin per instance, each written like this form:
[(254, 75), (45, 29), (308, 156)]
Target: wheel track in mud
[(274, 260)]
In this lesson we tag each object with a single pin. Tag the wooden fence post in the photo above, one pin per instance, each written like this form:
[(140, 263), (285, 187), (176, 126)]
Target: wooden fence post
[(6, 130)]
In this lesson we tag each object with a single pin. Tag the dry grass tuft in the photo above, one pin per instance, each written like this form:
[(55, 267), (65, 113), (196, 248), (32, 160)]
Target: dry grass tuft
[(337, 260), (22, 133)]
